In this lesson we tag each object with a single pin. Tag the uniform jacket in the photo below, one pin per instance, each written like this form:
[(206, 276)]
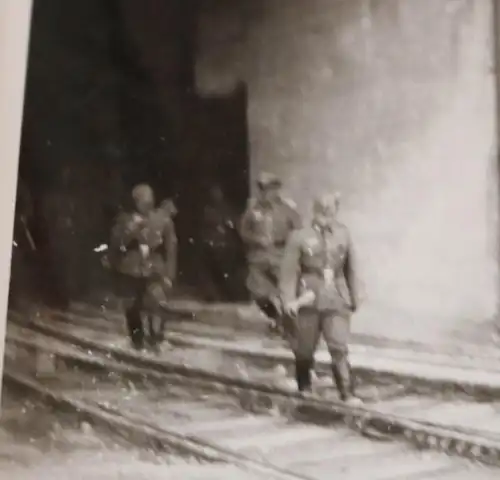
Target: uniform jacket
[(219, 226), (157, 232), (59, 211), (265, 229), (309, 255)]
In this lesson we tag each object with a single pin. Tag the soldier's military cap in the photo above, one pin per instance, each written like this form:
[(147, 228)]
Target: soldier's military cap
[(326, 202), (268, 180)]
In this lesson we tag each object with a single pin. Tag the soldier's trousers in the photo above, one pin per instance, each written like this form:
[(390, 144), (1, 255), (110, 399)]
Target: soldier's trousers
[(262, 282), (133, 292), (304, 332), (222, 271)]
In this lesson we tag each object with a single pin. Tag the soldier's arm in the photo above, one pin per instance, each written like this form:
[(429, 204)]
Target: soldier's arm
[(250, 237), (118, 232), (290, 268), (171, 250), (295, 219), (351, 273), (124, 231), (232, 219)]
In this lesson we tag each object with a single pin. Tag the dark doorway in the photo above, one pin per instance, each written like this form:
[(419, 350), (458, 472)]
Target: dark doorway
[(110, 103), (214, 152)]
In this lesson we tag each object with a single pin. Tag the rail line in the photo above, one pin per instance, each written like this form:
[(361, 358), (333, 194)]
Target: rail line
[(466, 374), (195, 416), (217, 418)]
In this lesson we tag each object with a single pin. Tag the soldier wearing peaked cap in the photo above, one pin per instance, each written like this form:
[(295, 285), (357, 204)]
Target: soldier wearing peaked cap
[(143, 252), (265, 227), (319, 260)]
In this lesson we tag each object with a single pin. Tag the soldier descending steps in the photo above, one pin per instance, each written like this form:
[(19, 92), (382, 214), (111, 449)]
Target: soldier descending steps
[(265, 228), (143, 255), (319, 291)]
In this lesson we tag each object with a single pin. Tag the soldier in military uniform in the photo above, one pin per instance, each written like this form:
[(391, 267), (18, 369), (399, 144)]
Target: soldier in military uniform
[(265, 227), (220, 242), (319, 261), (143, 253)]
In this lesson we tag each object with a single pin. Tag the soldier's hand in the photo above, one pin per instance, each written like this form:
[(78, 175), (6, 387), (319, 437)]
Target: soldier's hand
[(355, 305), (265, 242), (167, 282), (143, 234), (105, 262), (135, 223), (291, 309)]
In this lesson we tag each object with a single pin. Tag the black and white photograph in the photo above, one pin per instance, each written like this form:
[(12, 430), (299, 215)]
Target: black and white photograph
[(250, 239)]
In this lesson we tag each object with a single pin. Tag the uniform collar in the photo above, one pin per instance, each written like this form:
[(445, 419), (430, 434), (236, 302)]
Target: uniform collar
[(319, 229), (264, 205)]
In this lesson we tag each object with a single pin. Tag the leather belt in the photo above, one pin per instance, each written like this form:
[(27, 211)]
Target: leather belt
[(312, 271)]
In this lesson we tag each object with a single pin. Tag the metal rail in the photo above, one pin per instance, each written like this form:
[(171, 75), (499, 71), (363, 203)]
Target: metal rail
[(471, 386), (143, 429), (465, 443)]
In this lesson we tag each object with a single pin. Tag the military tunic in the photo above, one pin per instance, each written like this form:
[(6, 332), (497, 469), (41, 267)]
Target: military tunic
[(221, 250), (265, 230), (143, 253), (144, 246)]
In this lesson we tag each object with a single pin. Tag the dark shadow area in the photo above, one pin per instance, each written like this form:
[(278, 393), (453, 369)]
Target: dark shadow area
[(110, 102)]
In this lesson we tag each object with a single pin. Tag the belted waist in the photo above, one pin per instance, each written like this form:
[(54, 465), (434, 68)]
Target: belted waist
[(135, 246), (317, 271), (280, 244)]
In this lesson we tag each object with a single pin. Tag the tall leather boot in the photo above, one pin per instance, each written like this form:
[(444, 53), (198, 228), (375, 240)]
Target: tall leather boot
[(303, 375), (341, 383), (272, 308), (345, 386), (156, 337), (352, 380), (135, 328)]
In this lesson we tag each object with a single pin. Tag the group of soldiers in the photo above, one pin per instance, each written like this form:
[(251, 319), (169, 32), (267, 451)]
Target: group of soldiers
[(302, 277)]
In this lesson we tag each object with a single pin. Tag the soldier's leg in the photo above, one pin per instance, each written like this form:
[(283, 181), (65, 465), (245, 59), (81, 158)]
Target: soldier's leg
[(208, 279), (155, 325), (273, 275), (134, 326), (268, 308), (154, 334), (303, 338), (153, 299), (221, 267), (336, 330), (149, 333), (264, 291), (134, 316), (158, 325)]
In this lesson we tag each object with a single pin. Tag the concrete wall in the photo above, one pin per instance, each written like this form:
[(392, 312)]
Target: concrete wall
[(392, 103)]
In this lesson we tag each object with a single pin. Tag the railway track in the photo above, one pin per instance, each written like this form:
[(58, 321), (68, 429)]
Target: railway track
[(185, 333), (262, 429)]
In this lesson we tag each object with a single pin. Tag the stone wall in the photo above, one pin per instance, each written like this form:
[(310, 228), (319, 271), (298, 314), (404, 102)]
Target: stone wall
[(392, 103)]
